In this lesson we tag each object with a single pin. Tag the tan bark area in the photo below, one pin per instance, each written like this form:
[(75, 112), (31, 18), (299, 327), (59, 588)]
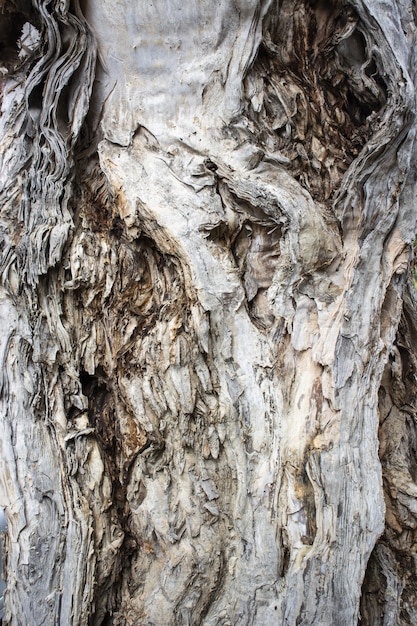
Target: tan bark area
[(208, 387)]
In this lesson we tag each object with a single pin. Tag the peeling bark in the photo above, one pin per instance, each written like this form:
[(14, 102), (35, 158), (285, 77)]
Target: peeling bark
[(208, 340)]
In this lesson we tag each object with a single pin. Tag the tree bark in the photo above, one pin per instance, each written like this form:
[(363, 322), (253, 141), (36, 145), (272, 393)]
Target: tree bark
[(208, 338)]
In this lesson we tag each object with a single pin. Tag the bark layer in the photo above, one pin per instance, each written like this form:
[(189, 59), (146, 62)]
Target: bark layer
[(208, 392)]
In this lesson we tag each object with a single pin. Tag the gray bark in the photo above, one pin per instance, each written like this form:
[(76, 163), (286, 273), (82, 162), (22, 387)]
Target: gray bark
[(208, 338)]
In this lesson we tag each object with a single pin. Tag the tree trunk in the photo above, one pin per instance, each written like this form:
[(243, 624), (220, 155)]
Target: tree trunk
[(208, 394)]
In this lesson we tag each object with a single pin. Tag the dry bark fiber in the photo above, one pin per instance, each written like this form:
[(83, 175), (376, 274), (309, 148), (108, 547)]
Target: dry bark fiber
[(208, 337)]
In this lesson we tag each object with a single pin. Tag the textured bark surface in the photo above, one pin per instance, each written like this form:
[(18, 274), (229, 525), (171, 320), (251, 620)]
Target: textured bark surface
[(208, 338)]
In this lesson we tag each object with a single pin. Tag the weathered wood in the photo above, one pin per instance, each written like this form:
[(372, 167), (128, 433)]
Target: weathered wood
[(208, 339)]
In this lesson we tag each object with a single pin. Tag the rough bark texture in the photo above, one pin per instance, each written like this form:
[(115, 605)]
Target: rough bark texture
[(208, 338)]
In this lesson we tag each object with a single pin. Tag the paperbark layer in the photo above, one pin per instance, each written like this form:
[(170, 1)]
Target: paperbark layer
[(208, 337)]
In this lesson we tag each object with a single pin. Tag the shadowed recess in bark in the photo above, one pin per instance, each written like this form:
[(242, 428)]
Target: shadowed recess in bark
[(12, 46), (315, 90)]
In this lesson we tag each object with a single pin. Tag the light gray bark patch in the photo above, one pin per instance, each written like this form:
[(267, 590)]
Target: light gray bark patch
[(345, 352)]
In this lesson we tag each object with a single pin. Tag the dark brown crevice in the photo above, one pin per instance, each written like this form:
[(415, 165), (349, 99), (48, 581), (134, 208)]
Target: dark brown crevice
[(17, 48), (103, 418), (314, 90), (373, 594), (101, 410), (11, 24)]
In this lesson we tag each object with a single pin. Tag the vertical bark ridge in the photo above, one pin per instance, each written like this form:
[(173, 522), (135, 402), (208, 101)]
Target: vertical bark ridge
[(388, 593), (46, 89)]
